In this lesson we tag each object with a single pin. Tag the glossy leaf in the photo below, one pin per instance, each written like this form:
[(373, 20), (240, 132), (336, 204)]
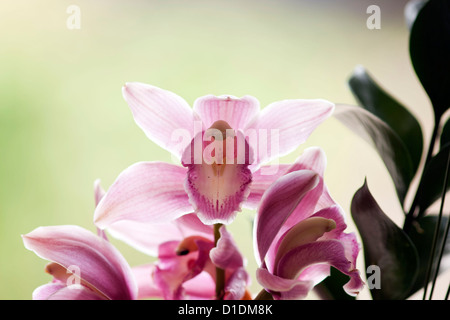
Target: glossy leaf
[(331, 288), (432, 183), (422, 237), (386, 142), (412, 8), (375, 100), (429, 49), (386, 246)]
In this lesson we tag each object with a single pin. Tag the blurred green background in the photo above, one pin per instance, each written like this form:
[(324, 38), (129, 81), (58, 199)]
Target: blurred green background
[(64, 123)]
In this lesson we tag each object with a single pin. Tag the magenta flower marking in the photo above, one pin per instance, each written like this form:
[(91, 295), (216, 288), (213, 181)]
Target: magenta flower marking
[(222, 144)]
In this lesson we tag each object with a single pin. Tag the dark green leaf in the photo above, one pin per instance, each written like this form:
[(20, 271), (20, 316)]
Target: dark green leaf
[(422, 236), (385, 141), (412, 8), (445, 134), (386, 246), (431, 186), (430, 52), (331, 288), (377, 101)]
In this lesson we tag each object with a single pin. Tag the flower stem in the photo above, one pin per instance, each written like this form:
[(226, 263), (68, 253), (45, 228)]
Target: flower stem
[(220, 273)]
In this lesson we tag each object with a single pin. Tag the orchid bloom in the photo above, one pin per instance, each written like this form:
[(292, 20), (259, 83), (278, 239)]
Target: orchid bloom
[(84, 266), (186, 269), (299, 233), (187, 258), (221, 143)]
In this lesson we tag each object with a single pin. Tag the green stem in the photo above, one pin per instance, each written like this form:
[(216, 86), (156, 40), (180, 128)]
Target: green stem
[(410, 215), (436, 231), (441, 252), (220, 273)]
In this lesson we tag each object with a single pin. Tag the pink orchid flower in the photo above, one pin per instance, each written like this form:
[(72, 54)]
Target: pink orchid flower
[(222, 144), (84, 266), (299, 233), (187, 258), (186, 269)]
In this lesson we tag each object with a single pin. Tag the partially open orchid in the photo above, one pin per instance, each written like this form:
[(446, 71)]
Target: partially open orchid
[(221, 143), (186, 269), (84, 265), (188, 258), (299, 233)]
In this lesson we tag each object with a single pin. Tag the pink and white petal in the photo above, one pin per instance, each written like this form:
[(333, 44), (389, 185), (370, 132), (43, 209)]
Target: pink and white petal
[(226, 254), (144, 236), (260, 183), (327, 251), (146, 192), (237, 112), (144, 279), (293, 120), (282, 288), (217, 193), (45, 291), (236, 284), (315, 273), (75, 292), (312, 158), (161, 114), (100, 264), (190, 225), (331, 252), (277, 204), (201, 287)]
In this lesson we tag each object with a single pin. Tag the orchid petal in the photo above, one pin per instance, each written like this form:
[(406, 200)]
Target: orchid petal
[(277, 204), (161, 114), (226, 255), (100, 264), (281, 288), (145, 191), (235, 111), (201, 287), (75, 292), (260, 183), (236, 285), (144, 279), (147, 236), (331, 252), (217, 193), (306, 231), (312, 158), (294, 120), (45, 291)]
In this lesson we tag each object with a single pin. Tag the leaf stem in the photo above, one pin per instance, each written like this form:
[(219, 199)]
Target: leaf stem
[(441, 253), (410, 215), (220, 273), (436, 231)]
